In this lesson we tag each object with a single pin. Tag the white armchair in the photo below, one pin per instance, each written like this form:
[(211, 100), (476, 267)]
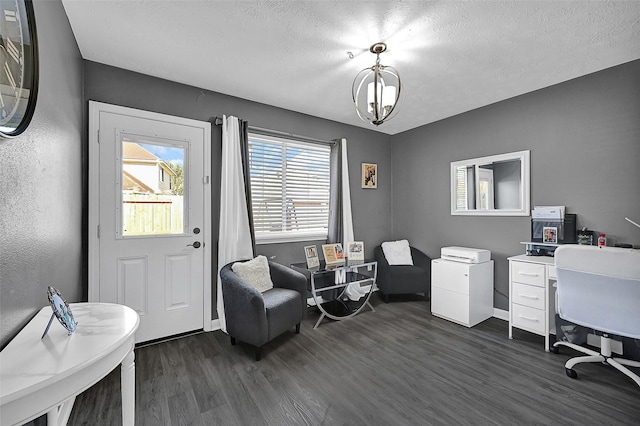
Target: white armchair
[(599, 288)]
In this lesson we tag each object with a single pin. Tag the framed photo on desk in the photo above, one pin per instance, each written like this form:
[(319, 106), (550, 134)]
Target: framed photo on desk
[(550, 234)]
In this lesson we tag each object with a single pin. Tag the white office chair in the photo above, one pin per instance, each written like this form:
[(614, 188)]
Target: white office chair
[(599, 288)]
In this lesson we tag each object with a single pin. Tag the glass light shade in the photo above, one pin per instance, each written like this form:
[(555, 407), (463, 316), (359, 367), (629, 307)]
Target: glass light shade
[(388, 93)]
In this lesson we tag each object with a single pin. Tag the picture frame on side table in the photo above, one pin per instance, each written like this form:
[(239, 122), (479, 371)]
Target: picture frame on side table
[(311, 254), (355, 250), (333, 253), (550, 234), (369, 175)]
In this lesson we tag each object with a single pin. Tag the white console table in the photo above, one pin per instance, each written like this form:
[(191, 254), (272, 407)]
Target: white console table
[(532, 295), (39, 376)]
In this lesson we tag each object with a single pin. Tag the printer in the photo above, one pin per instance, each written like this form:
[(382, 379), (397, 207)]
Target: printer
[(465, 254)]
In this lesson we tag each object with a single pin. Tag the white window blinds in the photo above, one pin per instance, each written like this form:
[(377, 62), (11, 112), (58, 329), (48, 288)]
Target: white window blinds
[(289, 189), (461, 188)]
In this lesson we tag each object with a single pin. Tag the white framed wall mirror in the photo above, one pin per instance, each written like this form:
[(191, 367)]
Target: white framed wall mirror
[(497, 185)]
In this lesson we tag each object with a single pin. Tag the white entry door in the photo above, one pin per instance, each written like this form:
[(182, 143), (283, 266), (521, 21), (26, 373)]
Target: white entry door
[(149, 226)]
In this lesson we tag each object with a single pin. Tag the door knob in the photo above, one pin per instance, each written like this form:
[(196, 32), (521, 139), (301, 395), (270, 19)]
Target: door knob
[(196, 244)]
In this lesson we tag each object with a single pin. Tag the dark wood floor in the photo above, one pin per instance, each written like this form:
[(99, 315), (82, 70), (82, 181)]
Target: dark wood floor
[(395, 366)]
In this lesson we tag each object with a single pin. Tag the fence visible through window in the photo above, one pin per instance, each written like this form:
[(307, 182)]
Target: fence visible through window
[(152, 188)]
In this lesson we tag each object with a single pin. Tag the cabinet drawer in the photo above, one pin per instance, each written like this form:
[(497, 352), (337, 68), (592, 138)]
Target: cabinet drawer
[(527, 295), (528, 273), (450, 305), (528, 318), (453, 276)]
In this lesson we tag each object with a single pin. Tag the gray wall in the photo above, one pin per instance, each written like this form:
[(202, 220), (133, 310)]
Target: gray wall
[(584, 137), (371, 208), (41, 184)]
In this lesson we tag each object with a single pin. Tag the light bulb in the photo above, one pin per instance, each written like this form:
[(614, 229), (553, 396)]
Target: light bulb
[(389, 97)]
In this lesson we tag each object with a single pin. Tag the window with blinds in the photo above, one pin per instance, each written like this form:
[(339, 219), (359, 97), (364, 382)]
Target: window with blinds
[(461, 188), (289, 189)]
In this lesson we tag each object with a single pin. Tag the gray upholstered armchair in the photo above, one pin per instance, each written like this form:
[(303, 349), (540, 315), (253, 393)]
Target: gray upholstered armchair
[(404, 279), (256, 318)]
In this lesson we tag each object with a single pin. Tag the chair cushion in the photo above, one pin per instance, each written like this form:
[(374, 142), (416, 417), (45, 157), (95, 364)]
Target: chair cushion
[(397, 252), (284, 309), (255, 272)]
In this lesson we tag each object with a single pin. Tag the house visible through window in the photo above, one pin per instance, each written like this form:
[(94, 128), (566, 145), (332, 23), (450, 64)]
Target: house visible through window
[(289, 189)]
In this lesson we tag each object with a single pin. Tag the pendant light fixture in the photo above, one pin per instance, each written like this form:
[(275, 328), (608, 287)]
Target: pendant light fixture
[(376, 90)]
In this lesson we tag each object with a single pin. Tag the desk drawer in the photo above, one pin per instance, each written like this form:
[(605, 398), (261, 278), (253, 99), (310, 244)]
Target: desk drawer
[(529, 319), (528, 273), (527, 295)]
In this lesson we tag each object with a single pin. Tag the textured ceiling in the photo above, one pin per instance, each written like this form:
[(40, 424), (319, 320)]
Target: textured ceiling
[(453, 56)]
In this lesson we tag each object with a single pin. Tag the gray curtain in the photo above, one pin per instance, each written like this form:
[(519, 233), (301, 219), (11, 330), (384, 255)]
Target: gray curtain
[(244, 152), (336, 226)]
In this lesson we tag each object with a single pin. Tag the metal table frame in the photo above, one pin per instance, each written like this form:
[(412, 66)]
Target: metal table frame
[(343, 275)]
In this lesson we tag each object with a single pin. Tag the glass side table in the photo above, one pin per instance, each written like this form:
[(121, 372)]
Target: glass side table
[(341, 290)]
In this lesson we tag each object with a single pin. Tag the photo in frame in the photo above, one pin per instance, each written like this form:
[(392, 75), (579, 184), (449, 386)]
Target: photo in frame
[(61, 311), (311, 254), (355, 250), (333, 253), (549, 234), (369, 175)]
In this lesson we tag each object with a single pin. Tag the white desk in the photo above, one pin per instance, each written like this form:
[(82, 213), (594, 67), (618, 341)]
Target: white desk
[(532, 295), (44, 376)]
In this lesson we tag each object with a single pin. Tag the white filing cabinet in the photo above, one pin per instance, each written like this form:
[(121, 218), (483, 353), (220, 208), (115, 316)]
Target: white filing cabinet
[(532, 295), (462, 292)]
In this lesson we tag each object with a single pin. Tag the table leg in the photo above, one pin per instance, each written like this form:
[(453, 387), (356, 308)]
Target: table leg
[(319, 320), (128, 383), (52, 417), (59, 416), (546, 342)]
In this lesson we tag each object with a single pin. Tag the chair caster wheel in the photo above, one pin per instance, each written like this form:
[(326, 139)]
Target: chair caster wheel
[(571, 373), (554, 349)]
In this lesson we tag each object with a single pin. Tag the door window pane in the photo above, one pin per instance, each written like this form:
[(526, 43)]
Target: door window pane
[(152, 188)]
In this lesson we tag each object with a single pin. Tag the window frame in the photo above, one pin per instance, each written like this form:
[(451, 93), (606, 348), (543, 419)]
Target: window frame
[(299, 235)]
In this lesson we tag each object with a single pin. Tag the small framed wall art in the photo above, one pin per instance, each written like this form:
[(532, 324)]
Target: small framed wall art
[(369, 175)]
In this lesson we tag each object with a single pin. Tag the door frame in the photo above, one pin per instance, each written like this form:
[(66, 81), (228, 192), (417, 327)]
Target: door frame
[(95, 108)]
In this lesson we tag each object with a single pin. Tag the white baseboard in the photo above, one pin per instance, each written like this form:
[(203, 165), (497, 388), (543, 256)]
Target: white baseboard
[(215, 325), (501, 314)]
